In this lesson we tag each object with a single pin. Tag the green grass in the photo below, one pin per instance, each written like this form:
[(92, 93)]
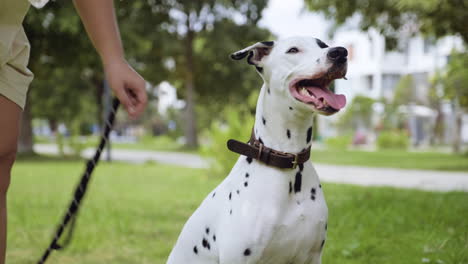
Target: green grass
[(134, 213), (393, 159), (157, 143)]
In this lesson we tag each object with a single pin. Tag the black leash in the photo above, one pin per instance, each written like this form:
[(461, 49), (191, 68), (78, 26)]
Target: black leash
[(80, 190)]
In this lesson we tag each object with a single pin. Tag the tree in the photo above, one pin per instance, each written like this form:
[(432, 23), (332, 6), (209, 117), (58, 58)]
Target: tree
[(184, 42), (359, 114), (455, 82), (433, 17), (62, 59), (206, 31), (68, 73)]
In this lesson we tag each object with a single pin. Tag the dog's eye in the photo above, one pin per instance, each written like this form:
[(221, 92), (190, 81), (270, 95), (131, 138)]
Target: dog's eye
[(293, 50)]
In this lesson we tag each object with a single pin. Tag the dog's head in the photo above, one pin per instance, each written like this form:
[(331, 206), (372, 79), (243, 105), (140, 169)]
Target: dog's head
[(300, 69)]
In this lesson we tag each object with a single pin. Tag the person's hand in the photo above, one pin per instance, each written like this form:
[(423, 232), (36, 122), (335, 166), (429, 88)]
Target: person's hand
[(128, 86)]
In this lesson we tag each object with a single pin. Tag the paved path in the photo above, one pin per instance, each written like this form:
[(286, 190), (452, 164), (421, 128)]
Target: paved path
[(364, 176), (137, 156), (414, 179)]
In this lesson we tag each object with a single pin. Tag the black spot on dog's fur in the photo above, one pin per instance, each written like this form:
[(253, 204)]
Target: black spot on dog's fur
[(247, 252), (288, 133), (298, 182), (214, 193), (320, 186), (326, 226), (321, 44), (195, 250), (214, 238), (268, 43), (309, 134), (290, 187), (318, 61), (260, 140), (313, 191), (290, 108), (206, 244), (268, 90), (230, 195), (249, 160), (207, 230), (247, 175), (230, 212), (323, 243), (263, 120), (238, 191), (246, 184)]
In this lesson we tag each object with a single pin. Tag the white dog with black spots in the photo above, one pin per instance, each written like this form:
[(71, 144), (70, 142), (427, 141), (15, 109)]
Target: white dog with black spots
[(262, 214)]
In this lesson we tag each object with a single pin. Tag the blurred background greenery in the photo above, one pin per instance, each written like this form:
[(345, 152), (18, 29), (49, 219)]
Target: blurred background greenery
[(198, 96)]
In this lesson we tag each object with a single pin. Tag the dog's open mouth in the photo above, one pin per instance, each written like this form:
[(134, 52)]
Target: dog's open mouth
[(316, 92)]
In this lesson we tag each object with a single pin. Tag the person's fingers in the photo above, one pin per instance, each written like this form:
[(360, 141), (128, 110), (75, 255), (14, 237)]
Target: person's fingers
[(135, 87), (124, 98), (129, 87)]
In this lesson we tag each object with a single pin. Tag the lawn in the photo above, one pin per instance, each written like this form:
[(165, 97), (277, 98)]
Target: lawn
[(134, 213), (393, 159)]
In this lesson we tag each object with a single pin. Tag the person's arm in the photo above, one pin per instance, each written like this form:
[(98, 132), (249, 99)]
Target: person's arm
[(99, 20)]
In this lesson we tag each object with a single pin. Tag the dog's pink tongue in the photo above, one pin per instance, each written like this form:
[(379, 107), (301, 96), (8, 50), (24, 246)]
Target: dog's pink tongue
[(337, 101)]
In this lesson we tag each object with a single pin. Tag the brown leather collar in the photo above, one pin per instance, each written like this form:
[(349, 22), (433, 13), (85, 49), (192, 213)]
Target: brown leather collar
[(256, 150)]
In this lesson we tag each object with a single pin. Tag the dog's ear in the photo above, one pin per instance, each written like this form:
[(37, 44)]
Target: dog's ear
[(254, 53)]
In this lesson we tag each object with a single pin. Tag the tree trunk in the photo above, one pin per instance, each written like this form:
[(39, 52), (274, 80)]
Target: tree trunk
[(191, 124), (437, 131), (456, 148), (25, 143)]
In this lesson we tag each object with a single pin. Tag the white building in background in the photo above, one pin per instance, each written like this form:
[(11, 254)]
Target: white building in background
[(374, 71)]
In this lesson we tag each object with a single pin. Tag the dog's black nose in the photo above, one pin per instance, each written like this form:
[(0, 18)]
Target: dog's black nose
[(337, 54)]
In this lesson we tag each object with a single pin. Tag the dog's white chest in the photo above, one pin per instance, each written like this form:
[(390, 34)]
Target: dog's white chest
[(258, 215)]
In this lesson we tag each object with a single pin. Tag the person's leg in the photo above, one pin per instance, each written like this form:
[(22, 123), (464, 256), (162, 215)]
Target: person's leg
[(10, 114)]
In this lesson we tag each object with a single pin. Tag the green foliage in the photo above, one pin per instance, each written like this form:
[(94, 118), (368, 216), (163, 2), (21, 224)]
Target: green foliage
[(236, 125), (404, 91), (404, 95), (359, 112), (157, 143), (157, 43), (455, 79), (394, 139), (435, 17), (339, 142)]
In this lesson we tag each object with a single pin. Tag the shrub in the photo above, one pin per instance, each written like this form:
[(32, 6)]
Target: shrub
[(393, 140), (339, 142), (237, 125)]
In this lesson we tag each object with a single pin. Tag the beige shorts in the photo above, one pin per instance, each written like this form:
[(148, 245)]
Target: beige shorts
[(15, 76)]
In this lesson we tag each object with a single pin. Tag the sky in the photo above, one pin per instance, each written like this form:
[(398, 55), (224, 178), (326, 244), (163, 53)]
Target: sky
[(286, 18)]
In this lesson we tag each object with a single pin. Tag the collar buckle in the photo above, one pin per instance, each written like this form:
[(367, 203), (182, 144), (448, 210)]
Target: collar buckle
[(260, 150), (295, 161)]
